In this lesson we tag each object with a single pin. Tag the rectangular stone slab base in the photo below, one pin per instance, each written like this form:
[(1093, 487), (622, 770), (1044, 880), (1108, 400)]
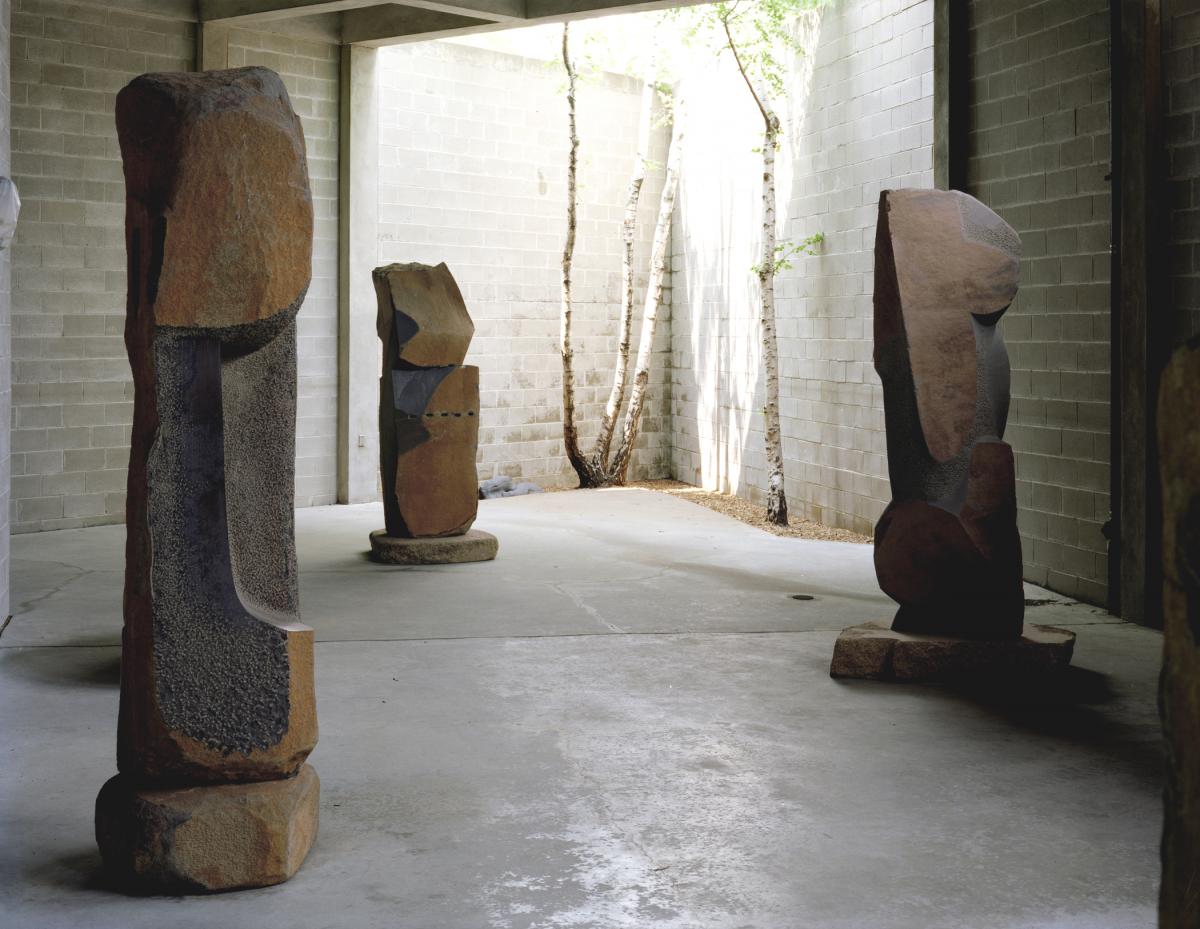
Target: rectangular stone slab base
[(875, 652), (472, 545), (203, 839)]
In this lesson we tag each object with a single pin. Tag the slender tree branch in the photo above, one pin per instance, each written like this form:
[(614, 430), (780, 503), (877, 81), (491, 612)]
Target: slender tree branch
[(745, 75), (570, 431)]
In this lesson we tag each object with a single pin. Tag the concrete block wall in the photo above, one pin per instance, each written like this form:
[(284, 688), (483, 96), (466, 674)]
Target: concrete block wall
[(5, 309), (862, 121), (1181, 66), (1039, 156), (473, 150), (310, 71), (72, 394)]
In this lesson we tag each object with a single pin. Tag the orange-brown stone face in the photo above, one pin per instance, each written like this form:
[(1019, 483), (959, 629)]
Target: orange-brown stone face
[(436, 484), (215, 169)]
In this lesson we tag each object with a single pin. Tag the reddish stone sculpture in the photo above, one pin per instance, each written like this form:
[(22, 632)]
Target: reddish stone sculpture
[(1179, 461), (217, 710), (946, 547), (428, 420)]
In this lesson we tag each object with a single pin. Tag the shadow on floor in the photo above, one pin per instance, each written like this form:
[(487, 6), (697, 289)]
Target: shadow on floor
[(89, 665)]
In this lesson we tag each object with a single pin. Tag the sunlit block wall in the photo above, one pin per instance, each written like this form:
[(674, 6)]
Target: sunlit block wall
[(859, 119), (473, 154)]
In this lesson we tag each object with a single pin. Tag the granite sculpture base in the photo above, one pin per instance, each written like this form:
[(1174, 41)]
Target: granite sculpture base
[(472, 545), (210, 838), (875, 652)]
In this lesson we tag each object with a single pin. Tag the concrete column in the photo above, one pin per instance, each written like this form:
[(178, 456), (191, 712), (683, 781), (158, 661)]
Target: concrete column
[(212, 47), (359, 356)]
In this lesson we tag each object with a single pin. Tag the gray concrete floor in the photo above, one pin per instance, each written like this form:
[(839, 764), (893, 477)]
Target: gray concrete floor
[(624, 721)]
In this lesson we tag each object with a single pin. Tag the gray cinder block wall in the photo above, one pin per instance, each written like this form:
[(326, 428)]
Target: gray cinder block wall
[(5, 309), (72, 395), (1039, 155), (862, 121), (473, 153)]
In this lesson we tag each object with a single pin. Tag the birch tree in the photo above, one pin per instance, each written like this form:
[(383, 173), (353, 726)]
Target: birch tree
[(602, 467), (756, 32)]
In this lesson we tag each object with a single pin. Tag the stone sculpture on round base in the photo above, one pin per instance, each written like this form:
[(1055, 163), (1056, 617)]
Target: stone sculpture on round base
[(428, 421), (472, 545)]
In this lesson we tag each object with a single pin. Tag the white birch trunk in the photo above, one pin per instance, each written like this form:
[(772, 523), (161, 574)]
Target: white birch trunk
[(616, 397), (658, 270), (570, 432)]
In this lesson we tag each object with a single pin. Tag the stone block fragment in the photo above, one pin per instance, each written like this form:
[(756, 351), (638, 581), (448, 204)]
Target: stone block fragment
[(198, 839)]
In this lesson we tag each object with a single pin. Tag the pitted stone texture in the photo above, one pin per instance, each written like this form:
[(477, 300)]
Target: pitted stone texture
[(876, 652), (1179, 455), (423, 320), (215, 169), (474, 545), (947, 547), (222, 837)]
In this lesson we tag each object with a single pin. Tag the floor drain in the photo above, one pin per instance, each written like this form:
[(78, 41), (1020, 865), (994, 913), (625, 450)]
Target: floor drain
[(802, 597)]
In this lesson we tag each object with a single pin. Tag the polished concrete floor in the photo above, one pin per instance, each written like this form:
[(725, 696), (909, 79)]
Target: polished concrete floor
[(623, 721)]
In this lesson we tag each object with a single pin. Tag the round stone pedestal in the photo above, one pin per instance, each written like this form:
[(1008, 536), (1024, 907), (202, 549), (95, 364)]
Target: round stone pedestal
[(203, 839), (472, 545)]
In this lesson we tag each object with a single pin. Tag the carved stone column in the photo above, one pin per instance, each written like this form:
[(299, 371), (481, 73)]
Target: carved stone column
[(217, 710)]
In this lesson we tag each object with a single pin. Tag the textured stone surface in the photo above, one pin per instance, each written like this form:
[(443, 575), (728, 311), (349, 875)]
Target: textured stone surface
[(1179, 455), (947, 547), (430, 321), (218, 837), (874, 651), (217, 162), (216, 669), (428, 403), (473, 545), (211, 585)]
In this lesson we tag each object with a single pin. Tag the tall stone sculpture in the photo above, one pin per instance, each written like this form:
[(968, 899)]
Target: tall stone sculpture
[(217, 711), (428, 420), (946, 547), (1179, 453)]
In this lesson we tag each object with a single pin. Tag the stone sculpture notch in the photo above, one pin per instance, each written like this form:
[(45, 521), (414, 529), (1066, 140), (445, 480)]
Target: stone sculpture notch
[(946, 547), (217, 709), (1179, 452), (428, 420)]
